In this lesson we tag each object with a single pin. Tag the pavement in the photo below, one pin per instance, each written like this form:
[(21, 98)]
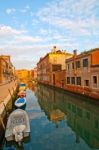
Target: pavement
[(6, 89)]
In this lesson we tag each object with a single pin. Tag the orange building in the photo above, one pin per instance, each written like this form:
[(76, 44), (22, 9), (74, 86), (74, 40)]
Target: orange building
[(23, 75), (49, 66), (82, 73), (7, 70)]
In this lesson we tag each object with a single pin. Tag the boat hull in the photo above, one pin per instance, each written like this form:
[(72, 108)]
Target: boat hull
[(16, 119), (12, 138), (20, 104)]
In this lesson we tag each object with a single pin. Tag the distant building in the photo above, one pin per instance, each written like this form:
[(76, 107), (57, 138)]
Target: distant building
[(82, 73), (23, 75), (49, 66), (7, 70), (34, 74)]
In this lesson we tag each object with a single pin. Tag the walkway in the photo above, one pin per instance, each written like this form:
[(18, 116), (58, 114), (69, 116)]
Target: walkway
[(6, 89)]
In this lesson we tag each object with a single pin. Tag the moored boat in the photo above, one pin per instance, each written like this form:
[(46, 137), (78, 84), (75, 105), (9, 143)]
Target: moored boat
[(22, 94), (20, 102), (18, 126), (22, 86)]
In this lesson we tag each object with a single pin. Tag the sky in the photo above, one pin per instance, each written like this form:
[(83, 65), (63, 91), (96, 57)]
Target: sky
[(30, 28)]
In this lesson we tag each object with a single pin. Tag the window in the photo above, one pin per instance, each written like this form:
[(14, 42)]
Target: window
[(68, 66), (95, 79), (72, 80), (74, 108), (69, 106), (68, 80), (78, 64), (56, 67), (96, 124), (79, 112), (72, 65), (88, 115), (85, 62), (86, 82), (78, 80)]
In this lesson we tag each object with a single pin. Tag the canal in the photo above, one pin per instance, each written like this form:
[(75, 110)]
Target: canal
[(59, 120)]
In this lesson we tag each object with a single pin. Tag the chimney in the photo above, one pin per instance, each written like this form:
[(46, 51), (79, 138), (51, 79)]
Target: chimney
[(54, 49), (75, 55)]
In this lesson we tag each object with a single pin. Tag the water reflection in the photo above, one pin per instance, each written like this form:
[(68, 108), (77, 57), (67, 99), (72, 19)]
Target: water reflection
[(81, 115), (56, 116), (59, 121)]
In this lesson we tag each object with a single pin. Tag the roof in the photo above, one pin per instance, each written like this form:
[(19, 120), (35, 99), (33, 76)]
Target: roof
[(83, 54), (57, 52)]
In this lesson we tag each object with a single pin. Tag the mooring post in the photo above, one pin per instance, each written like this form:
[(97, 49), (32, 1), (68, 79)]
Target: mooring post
[(10, 94), (5, 107), (3, 125), (13, 90)]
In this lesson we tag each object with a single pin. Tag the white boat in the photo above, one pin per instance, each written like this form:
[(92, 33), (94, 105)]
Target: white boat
[(20, 102), (18, 126)]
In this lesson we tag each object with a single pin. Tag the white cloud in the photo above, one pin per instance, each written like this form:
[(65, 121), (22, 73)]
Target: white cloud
[(10, 10), (79, 17), (10, 36), (43, 31), (8, 31), (25, 9), (66, 24), (27, 56), (35, 21), (32, 14), (24, 38)]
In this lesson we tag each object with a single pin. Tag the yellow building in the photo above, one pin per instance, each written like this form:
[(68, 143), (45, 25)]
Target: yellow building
[(49, 64), (23, 75)]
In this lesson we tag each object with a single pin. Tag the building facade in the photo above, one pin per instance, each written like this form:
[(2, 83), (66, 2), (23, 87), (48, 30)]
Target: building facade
[(34, 74), (7, 70), (48, 67), (23, 75), (82, 73)]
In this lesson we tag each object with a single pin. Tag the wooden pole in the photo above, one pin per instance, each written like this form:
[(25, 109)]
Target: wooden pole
[(10, 93), (3, 125), (11, 97), (5, 107), (13, 90)]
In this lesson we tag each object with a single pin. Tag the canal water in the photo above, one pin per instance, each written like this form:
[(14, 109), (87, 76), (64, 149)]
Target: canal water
[(59, 120)]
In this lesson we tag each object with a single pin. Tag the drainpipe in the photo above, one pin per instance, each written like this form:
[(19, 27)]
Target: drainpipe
[(75, 55)]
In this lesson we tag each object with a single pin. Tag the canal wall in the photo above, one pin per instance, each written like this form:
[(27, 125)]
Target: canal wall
[(80, 90), (74, 93), (8, 94)]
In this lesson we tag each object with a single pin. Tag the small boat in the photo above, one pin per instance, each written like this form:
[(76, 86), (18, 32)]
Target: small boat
[(22, 94), (18, 126), (22, 86), (20, 102)]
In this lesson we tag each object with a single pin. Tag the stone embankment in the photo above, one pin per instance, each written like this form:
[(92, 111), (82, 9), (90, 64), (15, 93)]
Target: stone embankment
[(7, 97)]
